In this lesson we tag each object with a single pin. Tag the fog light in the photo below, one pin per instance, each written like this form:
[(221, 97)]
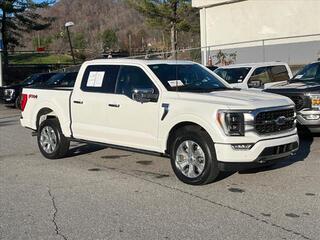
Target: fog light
[(311, 116), (242, 146)]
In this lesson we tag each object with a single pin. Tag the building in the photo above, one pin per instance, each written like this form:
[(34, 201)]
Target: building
[(259, 30)]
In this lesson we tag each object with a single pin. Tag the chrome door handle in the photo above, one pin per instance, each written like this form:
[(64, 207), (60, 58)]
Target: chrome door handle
[(78, 102), (114, 105)]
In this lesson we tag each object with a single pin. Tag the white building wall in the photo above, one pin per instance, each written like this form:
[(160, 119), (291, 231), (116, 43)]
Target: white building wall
[(255, 20)]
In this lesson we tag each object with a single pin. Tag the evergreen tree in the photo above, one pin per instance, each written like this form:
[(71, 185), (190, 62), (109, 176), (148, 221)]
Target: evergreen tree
[(169, 15), (19, 16)]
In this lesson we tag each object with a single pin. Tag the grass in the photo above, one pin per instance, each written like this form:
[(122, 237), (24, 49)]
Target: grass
[(40, 58)]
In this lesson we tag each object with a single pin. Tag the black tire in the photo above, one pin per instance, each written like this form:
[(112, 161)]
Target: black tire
[(203, 140), (62, 143), (17, 103)]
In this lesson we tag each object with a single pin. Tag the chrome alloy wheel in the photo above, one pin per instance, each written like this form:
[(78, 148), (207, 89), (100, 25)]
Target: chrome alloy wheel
[(48, 139), (190, 159)]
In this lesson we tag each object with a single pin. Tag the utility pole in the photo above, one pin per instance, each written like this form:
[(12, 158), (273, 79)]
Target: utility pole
[(67, 25), (130, 45)]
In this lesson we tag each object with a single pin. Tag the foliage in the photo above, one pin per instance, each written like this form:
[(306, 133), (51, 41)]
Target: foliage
[(41, 41), (40, 58), (20, 16), (109, 39), (79, 40), (169, 15)]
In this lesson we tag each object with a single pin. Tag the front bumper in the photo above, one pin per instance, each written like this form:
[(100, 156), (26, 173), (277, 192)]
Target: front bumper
[(7, 101), (261, 152), (312, 125)]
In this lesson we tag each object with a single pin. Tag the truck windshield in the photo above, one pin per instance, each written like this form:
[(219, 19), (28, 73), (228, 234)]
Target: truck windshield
[(310, 72), (233, 75), (187, 78)]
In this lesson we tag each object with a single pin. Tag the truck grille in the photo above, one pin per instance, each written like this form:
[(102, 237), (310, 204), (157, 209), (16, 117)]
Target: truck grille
[(298, 101), (274, 121)]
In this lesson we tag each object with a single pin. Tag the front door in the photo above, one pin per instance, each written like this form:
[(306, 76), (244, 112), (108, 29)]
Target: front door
[(132, 123)]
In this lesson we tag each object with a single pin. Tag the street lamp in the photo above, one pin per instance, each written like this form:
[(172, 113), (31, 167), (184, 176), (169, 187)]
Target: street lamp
[(67, 25)]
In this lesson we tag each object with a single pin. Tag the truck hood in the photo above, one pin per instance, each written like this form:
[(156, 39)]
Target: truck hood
[(239, 99), (295, 87)]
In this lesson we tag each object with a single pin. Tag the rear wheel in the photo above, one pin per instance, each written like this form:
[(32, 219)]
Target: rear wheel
[(51, 141), (193, 157)]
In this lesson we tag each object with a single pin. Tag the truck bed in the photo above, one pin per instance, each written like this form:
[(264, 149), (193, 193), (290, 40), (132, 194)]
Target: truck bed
[(56, 100)]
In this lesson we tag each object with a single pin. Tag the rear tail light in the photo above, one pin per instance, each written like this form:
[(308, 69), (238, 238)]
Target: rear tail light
[(24, 99)]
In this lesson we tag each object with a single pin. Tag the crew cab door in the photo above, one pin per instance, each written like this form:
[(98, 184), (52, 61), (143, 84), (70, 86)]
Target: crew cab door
[(133, 122), (89, 103)]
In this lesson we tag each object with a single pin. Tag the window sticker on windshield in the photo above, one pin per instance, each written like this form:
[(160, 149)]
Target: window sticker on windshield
[(95, 79), (298, 76), (175, 83)]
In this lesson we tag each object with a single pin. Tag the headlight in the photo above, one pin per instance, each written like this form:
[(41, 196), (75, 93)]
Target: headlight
[(231, 122), (315, 101), (9, 92)]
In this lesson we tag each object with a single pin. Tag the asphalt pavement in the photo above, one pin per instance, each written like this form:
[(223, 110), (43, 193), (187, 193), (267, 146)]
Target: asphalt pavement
[(102, 193)]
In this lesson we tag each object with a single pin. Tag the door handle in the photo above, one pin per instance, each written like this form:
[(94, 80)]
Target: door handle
[(114, 105), (78, 102)]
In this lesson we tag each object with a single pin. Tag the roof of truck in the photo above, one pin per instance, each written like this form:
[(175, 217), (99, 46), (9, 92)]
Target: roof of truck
[(259, 64), (138, 61)]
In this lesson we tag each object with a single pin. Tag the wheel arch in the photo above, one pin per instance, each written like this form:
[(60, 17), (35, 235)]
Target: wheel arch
[(175, 128), (46, 113)]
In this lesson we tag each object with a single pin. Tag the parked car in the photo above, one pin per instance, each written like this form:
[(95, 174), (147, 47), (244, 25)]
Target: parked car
[(255, 75), (304, 90), (173, 108), (10, 94), (62, 79)]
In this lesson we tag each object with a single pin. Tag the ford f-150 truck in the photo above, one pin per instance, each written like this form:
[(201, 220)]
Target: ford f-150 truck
[(304, 91), (174, 108)]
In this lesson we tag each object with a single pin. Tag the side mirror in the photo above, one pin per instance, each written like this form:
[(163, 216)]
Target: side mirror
[(255, 84), (145, 95)]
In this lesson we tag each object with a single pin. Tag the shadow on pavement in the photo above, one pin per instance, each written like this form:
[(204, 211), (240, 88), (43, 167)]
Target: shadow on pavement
[(8, 123), (82, 149)]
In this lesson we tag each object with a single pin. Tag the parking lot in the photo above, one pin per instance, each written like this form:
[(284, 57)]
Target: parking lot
[(102, 193)]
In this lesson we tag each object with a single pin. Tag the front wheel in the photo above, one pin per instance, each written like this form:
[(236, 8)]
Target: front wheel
[(193, 157), (51, 141), (17, 103)]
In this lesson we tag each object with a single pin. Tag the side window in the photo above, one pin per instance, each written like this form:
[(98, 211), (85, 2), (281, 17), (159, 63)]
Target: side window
[(100, 78), (279, 73), (132, 78), (69, 80), (259, 77)]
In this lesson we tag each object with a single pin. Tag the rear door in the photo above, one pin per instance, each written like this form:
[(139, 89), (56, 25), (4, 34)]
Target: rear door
[(89, 104)]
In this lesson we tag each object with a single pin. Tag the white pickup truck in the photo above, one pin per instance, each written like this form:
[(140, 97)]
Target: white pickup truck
[(255, 75), (173, 108)]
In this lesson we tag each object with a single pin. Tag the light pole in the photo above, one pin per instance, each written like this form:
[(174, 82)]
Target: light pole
[(67, 25)]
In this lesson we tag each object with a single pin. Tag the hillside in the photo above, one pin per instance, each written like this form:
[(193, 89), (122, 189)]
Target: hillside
[(91, 18)]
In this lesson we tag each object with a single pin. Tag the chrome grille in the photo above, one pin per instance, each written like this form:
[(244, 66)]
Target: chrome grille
[(274, 121)]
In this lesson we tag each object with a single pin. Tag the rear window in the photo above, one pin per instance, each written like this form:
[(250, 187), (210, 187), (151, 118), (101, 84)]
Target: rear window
[(233, 75)]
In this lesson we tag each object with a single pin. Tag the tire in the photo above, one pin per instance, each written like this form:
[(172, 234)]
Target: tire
[(17, 103), (198, 166), (51, 141)]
